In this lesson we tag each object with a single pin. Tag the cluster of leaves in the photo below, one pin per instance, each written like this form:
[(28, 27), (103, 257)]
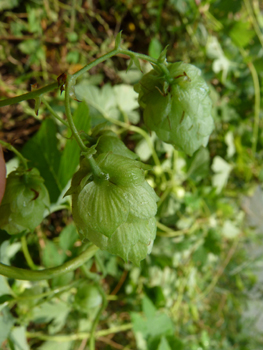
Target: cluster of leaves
[(191, 292)]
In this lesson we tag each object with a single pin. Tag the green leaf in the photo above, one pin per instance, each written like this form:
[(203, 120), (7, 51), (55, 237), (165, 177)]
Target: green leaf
[(162, 57), (154, 325), (129, 65), (71, 153), (68, 237), (103, 100), (87, 297), (18, 338), (5, 297), (42, 152), (213, 242), (8, 5), (222, 171), (242, 33), (137, 63), (199, 165), (6, 324), (164, 345), (111, 143), (148, 308), (52, 256), (229, 140), (126, 98), (29, 46), (62, 280), (155, 48), (55, 311), (230, 230), (200, 256), (118, 40), (4, 286), (37, 104)]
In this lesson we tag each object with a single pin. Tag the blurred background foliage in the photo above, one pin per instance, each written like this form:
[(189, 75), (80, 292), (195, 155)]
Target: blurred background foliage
[(201, 288)]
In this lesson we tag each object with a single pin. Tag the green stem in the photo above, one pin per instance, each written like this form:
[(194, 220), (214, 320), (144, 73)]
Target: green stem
[(254, 20), (129, 53), (28, 275), (52, 292), (29, 95), (27, 255), (13, 149), (53, 86), (96, 320), (79, 336), (94, 166), (69, 83), (96, 170), (95, 63), (53, 113), (152, 60), (167, 191), (254, 75), (256, 106), (220, 271)]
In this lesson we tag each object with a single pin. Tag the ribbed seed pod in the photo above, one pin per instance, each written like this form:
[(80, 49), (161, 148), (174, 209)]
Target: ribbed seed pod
[(117, 212), (24, 202), (179, 112)]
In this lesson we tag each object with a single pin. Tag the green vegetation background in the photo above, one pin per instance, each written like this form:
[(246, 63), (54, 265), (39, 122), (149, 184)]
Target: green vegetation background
[(199, 289)]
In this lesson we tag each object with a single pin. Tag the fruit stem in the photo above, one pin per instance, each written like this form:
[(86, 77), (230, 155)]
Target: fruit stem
[(152, 60), (70, 81), (13, 149), (26, 253), (96, 320), (29, 275), (96, 170), (53, 113), (69, 84), (29, 95)]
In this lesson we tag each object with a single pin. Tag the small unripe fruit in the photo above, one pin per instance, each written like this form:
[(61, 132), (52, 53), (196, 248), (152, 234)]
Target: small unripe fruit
[(117, 212), (24, 202), (179, 111)]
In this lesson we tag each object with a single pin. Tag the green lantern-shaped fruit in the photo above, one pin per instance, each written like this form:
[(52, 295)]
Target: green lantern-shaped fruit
[(115, 212), (24, 202), (179, 111)]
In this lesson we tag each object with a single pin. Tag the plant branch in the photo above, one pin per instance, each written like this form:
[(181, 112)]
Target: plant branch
[(79, 336), (256, 84), (69, 83), (53, 113), (29, 275), (95, 63), (96, 320), (13, 149), (30, 95), (154, 61), (94, 166), (256, 105), (27, 255), (254, 21), (220, 271)]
